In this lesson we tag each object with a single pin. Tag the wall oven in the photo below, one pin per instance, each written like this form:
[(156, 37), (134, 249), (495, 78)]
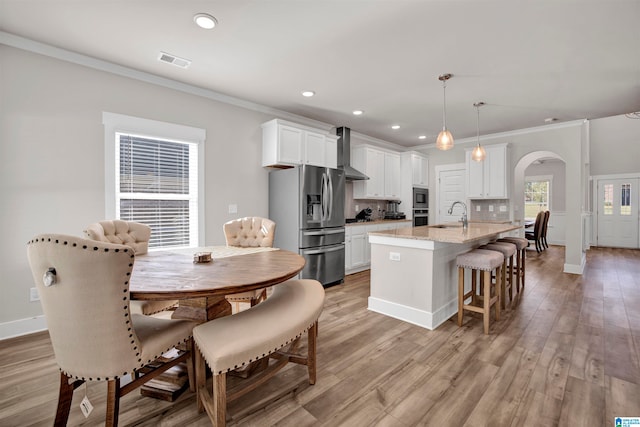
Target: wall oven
[(420, 198), (420, 217)]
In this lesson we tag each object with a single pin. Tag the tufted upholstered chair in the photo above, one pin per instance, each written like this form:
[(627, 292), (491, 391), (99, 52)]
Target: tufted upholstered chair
[(136, 236), (246, 232), (105, 341)]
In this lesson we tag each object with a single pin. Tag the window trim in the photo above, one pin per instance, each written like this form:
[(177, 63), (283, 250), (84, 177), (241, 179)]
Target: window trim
[(120, 123), (538, 178)]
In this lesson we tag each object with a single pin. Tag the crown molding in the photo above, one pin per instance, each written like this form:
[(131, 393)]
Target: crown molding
[(29, 45)]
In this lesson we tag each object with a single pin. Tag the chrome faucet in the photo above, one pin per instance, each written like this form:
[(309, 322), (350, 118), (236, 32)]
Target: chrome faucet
[(465, 222)]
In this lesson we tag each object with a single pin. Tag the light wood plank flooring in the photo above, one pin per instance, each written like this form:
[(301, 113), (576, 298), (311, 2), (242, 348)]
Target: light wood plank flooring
[(568, 354)]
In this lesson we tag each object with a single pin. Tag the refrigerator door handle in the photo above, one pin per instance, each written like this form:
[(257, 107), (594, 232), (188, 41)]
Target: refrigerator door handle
[(330, 186), (322, 251), (323, 195), (322, 232)]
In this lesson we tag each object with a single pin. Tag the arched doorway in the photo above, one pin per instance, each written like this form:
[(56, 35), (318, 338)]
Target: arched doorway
[(529, 162)]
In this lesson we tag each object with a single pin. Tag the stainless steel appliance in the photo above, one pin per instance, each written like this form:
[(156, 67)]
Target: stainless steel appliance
[(420, 217), (307, 204), (392, 211), (420, 206), (344, 155), (420, 198)]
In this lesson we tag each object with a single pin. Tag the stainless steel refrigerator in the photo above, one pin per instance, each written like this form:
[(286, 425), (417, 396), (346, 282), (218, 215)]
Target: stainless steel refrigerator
[(307, 204)]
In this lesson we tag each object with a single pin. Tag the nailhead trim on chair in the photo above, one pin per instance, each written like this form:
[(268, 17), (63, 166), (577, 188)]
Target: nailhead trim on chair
[(126, 308)]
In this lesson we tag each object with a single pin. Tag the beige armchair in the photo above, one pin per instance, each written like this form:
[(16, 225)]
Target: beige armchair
[(136, 236), (99, 341), (249, 232)]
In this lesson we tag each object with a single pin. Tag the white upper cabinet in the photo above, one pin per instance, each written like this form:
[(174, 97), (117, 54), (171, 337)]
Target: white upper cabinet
[(383, 170), (392, 176), (419, 170), (288, 144), (489, 178)]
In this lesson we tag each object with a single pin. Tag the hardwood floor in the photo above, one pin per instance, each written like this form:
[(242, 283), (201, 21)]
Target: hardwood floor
[(568, 354)]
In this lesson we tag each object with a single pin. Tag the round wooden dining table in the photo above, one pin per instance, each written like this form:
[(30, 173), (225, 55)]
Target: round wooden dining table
[(201, 287)]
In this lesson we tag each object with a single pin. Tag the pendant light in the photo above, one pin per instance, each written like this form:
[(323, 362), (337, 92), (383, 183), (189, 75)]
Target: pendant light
[(445, 139), (478, 154)]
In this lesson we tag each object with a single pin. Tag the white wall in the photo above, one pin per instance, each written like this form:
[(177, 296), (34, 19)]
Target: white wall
[(615, 145), (52, 151)]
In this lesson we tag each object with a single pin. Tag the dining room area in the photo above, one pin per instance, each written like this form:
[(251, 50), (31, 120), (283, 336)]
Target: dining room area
[(562, 357)]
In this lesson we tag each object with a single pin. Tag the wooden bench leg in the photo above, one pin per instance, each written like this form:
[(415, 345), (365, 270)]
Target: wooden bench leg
[(201, 378), (220, 400), (311, 356)]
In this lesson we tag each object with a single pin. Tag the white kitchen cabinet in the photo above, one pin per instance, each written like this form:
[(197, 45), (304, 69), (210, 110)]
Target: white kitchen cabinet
[(288, 144), (419, 170), (392, 176), (383, 170), (357, 255), (489, 178), (331, 151), (347, 248), (359, 247)]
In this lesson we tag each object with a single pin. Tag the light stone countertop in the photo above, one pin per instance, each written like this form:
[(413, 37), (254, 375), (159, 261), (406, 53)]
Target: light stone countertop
[(451, 232)]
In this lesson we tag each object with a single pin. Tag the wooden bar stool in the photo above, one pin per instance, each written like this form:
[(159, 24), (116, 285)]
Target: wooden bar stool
[(486, 261), (508, 250), (521, 246)]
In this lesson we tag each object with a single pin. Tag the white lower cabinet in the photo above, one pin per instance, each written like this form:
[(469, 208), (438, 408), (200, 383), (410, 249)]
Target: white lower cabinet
[(357, 256)]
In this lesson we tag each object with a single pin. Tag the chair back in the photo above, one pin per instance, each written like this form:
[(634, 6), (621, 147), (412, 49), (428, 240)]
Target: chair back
[(84, 291), (545, 223), (250, 231), (537, 227), (133, 234)]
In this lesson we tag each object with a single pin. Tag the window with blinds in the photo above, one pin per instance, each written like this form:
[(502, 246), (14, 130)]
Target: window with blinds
[(157, 184)]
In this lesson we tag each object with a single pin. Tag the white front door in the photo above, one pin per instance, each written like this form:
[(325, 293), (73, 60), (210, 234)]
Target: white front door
[(451, 187), (618, 212)]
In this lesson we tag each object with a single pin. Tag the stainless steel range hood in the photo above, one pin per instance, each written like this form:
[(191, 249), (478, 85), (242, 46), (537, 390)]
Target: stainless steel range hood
[(344, 155)]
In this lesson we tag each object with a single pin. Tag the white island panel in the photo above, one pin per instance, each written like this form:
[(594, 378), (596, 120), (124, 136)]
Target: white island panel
[(414, 278)]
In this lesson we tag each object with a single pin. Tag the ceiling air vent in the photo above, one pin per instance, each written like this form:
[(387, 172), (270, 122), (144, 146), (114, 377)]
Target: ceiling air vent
[(175, 60)]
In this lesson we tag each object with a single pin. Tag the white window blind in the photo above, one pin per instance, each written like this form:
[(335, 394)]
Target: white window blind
[(157, 185)]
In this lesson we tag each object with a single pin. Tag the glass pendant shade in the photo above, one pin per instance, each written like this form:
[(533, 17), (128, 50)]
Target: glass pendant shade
[(478, 154), (445, 140)]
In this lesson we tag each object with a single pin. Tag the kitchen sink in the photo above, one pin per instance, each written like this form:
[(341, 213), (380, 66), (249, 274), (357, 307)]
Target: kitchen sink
[(447, 226)]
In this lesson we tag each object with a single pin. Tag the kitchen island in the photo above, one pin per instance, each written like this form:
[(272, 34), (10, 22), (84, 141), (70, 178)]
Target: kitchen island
[(413, 270)]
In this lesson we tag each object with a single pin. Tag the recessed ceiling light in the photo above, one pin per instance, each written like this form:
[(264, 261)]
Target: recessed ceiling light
[(358, 112), (204, 20), (422, 137), (550, 120), (308, 93), (394, 127)]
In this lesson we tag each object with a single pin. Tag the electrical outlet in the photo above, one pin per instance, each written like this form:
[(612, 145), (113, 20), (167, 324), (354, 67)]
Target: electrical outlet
[(33, 295), (233, 208), (490, 208), (357, 208), (478, 208), (503, 208), (394, 256)]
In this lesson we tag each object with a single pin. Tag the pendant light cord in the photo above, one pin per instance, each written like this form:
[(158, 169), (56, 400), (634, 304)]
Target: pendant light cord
[(444, 104)]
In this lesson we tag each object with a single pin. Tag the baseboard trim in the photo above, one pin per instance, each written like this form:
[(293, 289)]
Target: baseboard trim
[(21, 327), (574, 268), (412, 315)]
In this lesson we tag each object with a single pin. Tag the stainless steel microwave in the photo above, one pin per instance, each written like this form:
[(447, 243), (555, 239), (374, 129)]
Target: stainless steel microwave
[(420, 198)]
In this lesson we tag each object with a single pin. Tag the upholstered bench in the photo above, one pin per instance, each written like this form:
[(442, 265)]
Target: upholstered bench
[(232, 342)]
